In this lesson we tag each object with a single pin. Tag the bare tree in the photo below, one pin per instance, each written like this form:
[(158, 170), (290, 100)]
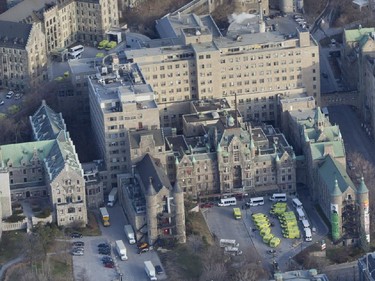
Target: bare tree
[(195, 243)]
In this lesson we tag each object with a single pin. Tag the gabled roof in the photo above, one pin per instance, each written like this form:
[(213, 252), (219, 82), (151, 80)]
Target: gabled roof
[(329, 133), (135, 137), (14, 34), (330, 171), (15, 153), (46, 123), (318, 149), (147, 168)]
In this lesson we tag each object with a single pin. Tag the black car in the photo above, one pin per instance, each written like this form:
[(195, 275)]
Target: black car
[(158, 269), (78, 244), (104, 251), (76, 235), (103, 245), (106, 259)]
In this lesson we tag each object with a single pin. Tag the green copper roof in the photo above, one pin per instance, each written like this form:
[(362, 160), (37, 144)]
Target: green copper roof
[(335, 176), (318, 149), (15, 153), (362, 188), (356, 34)]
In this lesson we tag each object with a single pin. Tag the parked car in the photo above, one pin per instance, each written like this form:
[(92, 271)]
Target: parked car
[(2, 102), (159, 269), (101, 245), (104, 251), (142, 245), (106, 259), (76, 235), (78, 249), (9, 95), (109, 265), (144, 250), (18, 96), (78, 252), (78, 244)]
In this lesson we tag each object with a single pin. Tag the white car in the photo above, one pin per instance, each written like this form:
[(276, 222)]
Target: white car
[(9, 95), (2, 102)]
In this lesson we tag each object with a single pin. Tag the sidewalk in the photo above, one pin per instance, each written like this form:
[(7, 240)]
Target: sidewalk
[(8, 264)]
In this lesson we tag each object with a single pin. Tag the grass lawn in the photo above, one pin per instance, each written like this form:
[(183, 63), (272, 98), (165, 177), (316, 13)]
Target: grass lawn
[(11, 245), (198, 226)]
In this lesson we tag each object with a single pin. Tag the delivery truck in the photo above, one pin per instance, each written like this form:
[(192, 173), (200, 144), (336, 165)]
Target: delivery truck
[(105, 216), (129, 233), (121, 250), (112, 197), (150, 270)]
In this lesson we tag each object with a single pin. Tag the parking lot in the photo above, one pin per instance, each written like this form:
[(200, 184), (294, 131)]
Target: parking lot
[(222, 223), (131, 269), (8, 102)]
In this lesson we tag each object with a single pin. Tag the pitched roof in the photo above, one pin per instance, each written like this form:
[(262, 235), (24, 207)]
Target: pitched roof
[(135, 137), (328, 133), (318, 149), (356, 34), (46, 123), (147, 168), (24, 10), (362, 188), (15, 153), (330, 171), (14, 34)]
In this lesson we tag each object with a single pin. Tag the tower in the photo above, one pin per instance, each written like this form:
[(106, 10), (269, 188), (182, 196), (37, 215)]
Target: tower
[(363, 202), (151, 203), (336, 199), (180, 213)]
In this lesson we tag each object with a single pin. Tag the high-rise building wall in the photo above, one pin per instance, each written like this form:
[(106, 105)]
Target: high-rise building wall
[(120, 102), (259, 67)]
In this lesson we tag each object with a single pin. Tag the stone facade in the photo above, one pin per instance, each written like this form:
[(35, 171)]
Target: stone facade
[(154, 208), (23, 55), (47, 167)]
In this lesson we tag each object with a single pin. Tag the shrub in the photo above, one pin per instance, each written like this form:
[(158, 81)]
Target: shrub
[(44, 214), (17, 212), (14, 218)]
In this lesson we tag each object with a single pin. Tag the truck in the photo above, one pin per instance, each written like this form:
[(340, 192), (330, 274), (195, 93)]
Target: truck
[(112, 197), (129, 233), (105, 216), (150, 270), (121, 250)]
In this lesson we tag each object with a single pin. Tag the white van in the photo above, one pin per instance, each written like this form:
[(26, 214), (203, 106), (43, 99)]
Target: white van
[(296, 203), (301, 214), (305, 224), (75, 55), (256, 201), (228, 243), (308, 235), (224, 202), (278, 197)]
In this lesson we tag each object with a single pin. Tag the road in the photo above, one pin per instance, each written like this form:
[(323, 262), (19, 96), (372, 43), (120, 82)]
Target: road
[(355, 138)]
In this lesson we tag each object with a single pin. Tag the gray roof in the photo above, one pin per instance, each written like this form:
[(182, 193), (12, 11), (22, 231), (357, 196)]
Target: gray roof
[(147, 168), (24, 10), (135, 137), (14, 34), (46, 123)]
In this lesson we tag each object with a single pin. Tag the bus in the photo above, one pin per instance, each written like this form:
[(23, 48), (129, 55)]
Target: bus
[(224, 202), (237, 213), (78, 48), (228, 243), (256, 201)]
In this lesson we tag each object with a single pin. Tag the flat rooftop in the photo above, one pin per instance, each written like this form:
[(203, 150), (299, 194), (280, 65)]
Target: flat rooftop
[(210, 105)]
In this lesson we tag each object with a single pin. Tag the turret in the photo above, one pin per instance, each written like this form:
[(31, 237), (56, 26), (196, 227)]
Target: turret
[(363, 202), (336, 199), (151, 203), (180, 212)]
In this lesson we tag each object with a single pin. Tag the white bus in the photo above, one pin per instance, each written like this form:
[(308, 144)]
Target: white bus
[(78, 48), (224, 202), (301, 214), (278, 197), (234, 251), (296, 203), (228, 243), (75, 55), (256, 201)]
